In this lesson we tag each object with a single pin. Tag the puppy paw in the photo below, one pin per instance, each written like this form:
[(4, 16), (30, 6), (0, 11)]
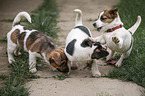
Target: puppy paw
[(117, 65), (34, 70), (17, 53), (11, 60), (115, 40), (96, 74)]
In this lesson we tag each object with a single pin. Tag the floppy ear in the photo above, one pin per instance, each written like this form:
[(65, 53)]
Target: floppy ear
[(87, 43), (114, 12), (56, 60)]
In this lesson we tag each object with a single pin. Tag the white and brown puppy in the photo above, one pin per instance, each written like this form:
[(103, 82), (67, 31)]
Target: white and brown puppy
[(36, 44), (79, 46), (117, 38)]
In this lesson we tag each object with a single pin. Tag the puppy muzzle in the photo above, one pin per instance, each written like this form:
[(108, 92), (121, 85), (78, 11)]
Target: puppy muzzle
[(98, 28)]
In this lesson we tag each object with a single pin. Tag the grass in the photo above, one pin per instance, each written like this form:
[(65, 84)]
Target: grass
[(133, 67), (44, 20)]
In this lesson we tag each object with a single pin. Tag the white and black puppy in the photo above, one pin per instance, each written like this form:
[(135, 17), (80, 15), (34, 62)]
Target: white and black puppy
[(117, 38), (36, 44), (79, 46)]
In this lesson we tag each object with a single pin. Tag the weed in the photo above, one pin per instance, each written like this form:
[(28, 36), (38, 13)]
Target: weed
[(142, 92), (59, 77), (45, 23), (14, 87), (103, 94)]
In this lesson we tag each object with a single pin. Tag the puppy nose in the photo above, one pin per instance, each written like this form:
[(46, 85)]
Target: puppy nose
[(94, 24)]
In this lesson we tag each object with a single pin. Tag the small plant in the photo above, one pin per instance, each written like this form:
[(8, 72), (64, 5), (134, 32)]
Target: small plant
[(14, 87), (45, 23), (142, 92), (60, 77), (103, 94)]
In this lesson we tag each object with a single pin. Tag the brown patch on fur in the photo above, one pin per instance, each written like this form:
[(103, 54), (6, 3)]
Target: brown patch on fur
[(14, 36), (58, 59), (38, 42), (21, 40), (109, 15)]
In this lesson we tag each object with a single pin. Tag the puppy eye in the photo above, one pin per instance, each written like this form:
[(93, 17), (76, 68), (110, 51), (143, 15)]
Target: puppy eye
[(63, 62), (52, 61), (102, 18)]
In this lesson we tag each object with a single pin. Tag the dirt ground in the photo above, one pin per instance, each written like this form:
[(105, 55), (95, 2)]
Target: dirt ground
[(80, 82)]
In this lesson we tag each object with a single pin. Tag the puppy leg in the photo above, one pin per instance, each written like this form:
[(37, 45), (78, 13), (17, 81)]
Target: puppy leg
[(17, 52), (74, 66), (117, 41), (124, 55), (69, 66), (94, 69), (99, 39), (10, 49), (32, 62), (110, 55)]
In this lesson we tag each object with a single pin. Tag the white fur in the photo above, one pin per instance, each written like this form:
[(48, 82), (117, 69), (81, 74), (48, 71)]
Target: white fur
[(19, 16), (124, 36), (80, 53), (78, 20)]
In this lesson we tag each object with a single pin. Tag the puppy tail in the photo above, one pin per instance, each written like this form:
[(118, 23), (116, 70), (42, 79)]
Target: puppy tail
[(135, 26), (19, 17), (78, 20)]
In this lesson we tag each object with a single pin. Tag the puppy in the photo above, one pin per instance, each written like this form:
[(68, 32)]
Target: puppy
[(79, 46), (36, 44), (117, 38)]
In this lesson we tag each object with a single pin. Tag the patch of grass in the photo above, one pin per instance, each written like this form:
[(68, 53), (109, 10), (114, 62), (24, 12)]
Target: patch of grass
[(18, 75), (133, 67), (44, 18), (14, 87), (45, 23), (142, 92)]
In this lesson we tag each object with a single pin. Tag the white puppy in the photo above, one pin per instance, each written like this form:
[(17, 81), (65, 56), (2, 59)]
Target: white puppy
[(117, 38), (79, 46)]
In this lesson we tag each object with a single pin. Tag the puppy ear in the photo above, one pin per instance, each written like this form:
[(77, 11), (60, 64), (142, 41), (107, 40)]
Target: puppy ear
[(87, 43), (56, 60), (114, 12)]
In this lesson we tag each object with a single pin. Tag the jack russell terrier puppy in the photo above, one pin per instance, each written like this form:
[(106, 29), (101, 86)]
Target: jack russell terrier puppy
[(117, 38), (36, 44), (79, 46)]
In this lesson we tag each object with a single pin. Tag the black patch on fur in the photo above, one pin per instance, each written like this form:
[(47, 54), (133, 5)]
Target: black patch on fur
[(84, 29), (70, 47), (87, 43), (25, 28), (99, 52)]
